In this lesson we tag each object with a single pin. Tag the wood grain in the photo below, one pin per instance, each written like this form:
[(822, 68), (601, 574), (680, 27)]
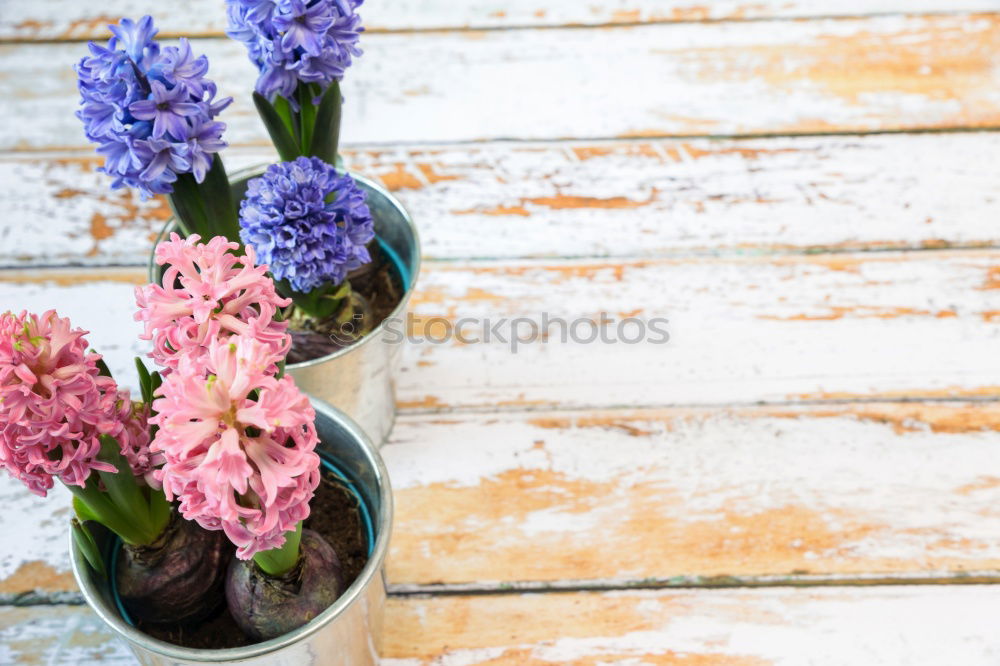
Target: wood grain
[(741, 329), (696, 496), (71, 20), (877, 627), (578, 199), (868, 492), (873, 74)]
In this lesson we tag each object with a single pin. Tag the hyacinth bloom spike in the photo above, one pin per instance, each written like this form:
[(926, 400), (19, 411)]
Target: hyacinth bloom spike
[(238, 444), (301, 49), (293, 41), (152, 112), (65, 420), (308, 223), (210, 292)]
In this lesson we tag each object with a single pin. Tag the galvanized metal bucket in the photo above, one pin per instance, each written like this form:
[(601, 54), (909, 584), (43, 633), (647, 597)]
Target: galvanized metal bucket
[(359, 379), (347, 633)]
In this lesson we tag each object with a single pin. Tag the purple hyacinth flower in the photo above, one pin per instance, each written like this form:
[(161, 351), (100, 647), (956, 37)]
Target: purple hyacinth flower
[(135, 100), (180, 67), (163, 159), (308, 223), (304, 26), (134, 38), (312, 41), (204, 142), (119, 157), (168, 110), (100, 119)]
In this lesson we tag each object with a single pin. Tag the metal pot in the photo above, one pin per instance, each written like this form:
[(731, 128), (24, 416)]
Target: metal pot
[(345, 634), (359, 379)]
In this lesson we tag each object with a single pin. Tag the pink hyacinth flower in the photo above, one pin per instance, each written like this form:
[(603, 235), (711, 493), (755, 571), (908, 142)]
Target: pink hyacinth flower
[(238, 444), (208, 292), (55, 405)]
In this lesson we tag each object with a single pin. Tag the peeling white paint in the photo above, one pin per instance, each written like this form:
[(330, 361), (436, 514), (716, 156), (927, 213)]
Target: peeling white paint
[(620, 199), (62, 19), (692, 79)]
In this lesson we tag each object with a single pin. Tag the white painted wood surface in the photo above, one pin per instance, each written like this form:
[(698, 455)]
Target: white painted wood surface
[(874, 74), (578, 199), (70, 19), (542, 470), (902, 626), (612, 498), (742, 329)]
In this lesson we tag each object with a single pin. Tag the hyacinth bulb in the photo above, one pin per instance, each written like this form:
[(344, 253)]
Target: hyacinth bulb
[(178, 579), (266, 606)]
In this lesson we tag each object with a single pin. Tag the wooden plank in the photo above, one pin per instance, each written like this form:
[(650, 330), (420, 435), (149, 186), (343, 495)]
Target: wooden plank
[(915, 626), (756, 495), (741, 329), (874, 74), (868, 492), (734, 628), (71, 20), (58, 635), (601, 199)]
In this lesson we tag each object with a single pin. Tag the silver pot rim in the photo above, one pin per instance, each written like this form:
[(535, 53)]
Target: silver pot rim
[(250, 172), (372, 568)]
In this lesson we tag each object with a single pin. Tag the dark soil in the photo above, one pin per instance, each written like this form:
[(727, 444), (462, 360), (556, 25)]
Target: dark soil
[(336, 517), (379, 283)]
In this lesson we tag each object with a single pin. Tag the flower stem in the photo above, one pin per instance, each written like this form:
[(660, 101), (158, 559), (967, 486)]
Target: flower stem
[(307, 116), (279, 561)]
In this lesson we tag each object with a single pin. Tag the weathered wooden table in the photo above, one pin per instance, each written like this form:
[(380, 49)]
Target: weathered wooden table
[(809, 473)]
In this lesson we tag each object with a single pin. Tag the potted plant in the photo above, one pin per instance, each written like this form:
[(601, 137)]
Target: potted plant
[(339, 246), (66, 419), (223, 448)]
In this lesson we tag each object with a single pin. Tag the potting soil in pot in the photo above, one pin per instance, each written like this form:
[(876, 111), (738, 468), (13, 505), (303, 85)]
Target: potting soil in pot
[(380, 284)]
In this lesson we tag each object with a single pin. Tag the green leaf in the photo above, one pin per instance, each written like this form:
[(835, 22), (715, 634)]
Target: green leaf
[(84, 540), (284, 109), (159, 509), (122, 488), (145, 381), (321, 302), (189, 209), (307, 114), (82, 511), (102, 368), (103, 511), (283, 140), (156, 381), (326, 133), (223, 216)]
